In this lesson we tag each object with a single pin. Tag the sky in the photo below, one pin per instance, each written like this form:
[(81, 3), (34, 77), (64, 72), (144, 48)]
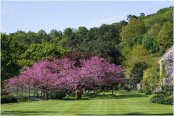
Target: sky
[(33, 16)]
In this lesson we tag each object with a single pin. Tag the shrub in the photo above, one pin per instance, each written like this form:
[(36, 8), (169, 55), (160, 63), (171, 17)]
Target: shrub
[(147, 89), (157, 98), (148, 92), (21, 98), (141, 91), (159, 92), (169, 100), (167, 89), (57, 94), (92, 93), (4, 92), (8, 99)]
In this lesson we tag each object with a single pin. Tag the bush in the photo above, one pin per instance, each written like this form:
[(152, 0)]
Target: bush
[(169, 100), (57, 94), (157, 98), (92, 93), (167, 89), (4, 92), (147, 90), (8, 99), (141, 91), (21, 98), (159, 92)]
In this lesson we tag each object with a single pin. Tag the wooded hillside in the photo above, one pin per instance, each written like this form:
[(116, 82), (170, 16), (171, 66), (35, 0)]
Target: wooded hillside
[(135, 43)]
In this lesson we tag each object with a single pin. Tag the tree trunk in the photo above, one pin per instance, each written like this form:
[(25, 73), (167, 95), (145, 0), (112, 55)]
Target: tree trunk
[(34, 92), (46, 94), (112, 89), (29, 92), (78, 94), (42, 96)]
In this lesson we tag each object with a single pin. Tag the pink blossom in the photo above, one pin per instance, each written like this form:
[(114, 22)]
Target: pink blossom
[(63, 73)]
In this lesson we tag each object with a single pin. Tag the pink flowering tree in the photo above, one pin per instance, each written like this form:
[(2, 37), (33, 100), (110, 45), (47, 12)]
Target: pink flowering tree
[(98, 72), (63, 73), (46, 75)]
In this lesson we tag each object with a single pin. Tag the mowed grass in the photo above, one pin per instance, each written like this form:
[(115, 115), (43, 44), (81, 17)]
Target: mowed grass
[(122, 103)]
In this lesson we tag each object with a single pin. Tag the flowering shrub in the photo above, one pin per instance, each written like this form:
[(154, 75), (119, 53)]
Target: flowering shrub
[(168, 61)]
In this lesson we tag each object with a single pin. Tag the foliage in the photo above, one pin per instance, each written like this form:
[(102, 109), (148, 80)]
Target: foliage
[(150, 44), (167, 72), (157, 98), (92, 93), (167, 89), (120, 43), (10, 54), (169, 100), (134, 28), (148, 39), (139, 53), (103, 41), (41, 51), (21, 98), (137, 72), (8, 99), (63, 73), (161, 99), (164, 96), (168, 60), (70, 39), (55, 36), (77, 57), (150, 79), (154, 30), (165, 37), (136, 56), (57, 94), (162, 16), (4, 92)]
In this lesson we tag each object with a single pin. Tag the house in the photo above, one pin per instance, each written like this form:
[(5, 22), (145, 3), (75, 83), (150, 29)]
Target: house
[(166, 67)]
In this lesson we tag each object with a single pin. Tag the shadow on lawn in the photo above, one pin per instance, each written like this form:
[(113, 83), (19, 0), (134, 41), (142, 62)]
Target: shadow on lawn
[(75, 99), (57, 113), (126, 114), (27, 112), (118, 96)]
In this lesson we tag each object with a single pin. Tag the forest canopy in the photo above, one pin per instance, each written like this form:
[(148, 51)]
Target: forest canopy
[(136, 42)]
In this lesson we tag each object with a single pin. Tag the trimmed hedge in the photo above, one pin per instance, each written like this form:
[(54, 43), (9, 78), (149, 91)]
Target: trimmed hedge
[(8, 99)]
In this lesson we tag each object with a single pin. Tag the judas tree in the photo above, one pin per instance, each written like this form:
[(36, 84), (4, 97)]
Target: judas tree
[(64, 73), (99, 72)]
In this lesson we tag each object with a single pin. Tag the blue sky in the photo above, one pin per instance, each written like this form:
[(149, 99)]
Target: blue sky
[(33, 16)]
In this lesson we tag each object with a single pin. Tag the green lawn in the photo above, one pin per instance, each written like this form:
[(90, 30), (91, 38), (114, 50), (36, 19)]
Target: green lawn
[(122, 103)]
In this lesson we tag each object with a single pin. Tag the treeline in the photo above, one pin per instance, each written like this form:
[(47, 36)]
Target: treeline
[(133, 43)]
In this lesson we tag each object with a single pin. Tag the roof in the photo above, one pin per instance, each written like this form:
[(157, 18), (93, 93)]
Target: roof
[(171, 48)]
